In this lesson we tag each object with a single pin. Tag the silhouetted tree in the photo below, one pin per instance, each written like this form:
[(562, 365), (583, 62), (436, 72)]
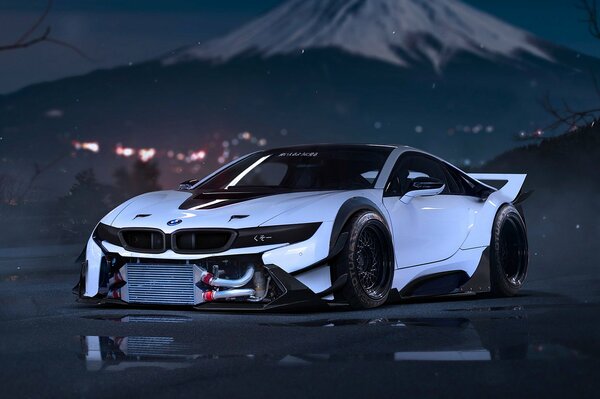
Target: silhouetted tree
[(10, 189), (86, 202), (142, 178)]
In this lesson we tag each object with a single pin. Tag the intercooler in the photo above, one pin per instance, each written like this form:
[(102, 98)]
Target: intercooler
[(178, 284), (160, 284)]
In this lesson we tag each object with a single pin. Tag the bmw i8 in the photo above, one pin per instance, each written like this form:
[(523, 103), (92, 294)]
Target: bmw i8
[(313, 225)]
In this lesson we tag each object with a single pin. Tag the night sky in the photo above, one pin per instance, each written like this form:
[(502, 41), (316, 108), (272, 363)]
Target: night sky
[(128, 31)]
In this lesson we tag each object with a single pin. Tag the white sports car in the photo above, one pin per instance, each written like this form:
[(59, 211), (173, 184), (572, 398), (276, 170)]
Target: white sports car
[(309, 226)]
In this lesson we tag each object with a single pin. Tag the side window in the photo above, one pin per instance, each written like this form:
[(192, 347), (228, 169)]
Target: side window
[(412, 166), (454, 181)]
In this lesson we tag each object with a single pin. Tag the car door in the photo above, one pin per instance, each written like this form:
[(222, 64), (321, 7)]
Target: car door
[(426, 229)]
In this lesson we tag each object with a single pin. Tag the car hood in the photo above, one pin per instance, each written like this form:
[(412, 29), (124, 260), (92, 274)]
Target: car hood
[(201, 210)]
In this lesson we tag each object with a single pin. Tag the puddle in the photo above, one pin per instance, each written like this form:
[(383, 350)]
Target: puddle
[(513, 308), (391, 322), (141, 318)]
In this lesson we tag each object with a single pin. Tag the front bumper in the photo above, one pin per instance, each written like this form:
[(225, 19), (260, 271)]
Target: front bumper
[(293, 295), (298, 276), (180, 284)]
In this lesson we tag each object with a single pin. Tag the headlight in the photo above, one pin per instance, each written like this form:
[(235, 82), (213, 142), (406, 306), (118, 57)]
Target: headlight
[(284, 234), (107, 233)]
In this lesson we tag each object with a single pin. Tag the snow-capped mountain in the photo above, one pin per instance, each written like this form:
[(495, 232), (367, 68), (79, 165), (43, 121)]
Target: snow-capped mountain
[(401, 32)]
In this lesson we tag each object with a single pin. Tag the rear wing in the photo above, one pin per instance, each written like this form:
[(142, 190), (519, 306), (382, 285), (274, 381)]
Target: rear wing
[(510, 185)]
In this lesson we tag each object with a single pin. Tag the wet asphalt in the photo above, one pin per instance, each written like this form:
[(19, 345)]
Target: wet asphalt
[(542, 343)]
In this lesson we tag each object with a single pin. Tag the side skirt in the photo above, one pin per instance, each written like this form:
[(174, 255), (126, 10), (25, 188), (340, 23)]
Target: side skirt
[(435, 284), (451, 282), (480, 280)]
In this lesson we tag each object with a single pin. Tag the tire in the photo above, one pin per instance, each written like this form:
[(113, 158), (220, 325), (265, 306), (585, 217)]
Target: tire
[(369, 241), (509, 252)]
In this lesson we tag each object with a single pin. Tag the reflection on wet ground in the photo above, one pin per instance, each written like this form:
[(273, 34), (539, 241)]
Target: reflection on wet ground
[(415, 339), (141, 318), (512, 308), (393, 322)]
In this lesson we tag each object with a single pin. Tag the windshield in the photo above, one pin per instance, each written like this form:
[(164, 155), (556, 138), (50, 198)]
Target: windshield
[(308, 168)]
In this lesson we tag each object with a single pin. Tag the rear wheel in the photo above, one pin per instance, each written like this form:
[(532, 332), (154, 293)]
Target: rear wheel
[(509, 252), (367, 257)]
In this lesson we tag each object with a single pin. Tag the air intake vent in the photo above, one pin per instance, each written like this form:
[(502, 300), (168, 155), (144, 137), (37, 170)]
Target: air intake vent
[(202, 241), (143, 240)]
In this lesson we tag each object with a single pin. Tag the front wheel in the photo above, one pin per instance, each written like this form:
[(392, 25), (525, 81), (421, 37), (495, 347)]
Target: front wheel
[(509, 252), (368, 259)]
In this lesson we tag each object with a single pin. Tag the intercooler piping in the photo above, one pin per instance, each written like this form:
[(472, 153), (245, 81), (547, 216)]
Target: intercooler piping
[(209, 279), (213, 281), (209, 296)]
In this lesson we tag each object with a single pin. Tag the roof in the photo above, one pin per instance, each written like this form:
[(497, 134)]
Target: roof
[(340, 146)]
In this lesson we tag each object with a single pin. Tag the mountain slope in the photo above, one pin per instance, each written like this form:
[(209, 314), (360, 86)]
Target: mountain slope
[(401, 32), (562, 214)]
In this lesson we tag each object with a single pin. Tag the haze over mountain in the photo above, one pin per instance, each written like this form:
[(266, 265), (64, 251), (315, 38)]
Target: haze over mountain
[(434, 74)]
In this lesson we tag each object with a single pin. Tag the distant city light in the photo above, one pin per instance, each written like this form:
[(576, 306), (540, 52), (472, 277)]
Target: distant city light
[(197, 156), (124, 151), (92, 146), (188, 156), (146, 154)]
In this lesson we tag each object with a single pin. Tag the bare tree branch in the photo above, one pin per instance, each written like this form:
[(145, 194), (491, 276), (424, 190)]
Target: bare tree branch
[(69, 46), (565, 115), (26, 39), (591, 9), (31, 42), (37, 23)]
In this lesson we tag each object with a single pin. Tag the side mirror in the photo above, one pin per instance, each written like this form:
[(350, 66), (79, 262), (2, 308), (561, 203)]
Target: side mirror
[(187, 185), (423, 187)]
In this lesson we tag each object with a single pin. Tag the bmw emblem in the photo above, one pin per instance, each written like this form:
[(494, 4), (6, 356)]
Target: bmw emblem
[(174, 222)]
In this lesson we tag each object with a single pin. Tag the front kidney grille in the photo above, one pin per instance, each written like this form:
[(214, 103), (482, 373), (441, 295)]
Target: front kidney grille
[(187, 241), (143, 240), (202, 241)]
